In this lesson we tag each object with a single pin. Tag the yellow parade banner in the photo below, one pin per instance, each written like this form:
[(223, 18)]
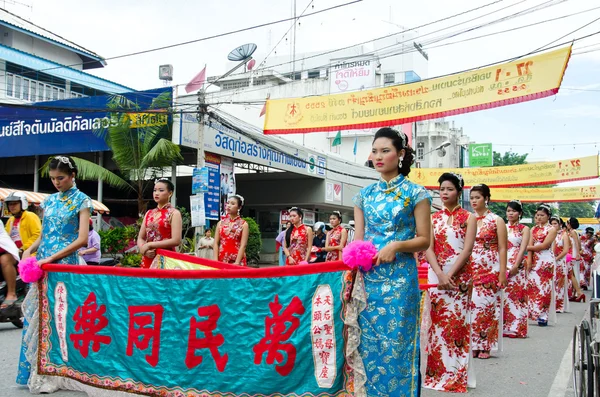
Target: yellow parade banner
[(524, 79), (547, 195), (584, 221), (544, 173)]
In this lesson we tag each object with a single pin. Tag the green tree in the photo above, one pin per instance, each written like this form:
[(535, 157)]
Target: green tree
[(584, 209), (510, 158), (254, 242), (140, 152)]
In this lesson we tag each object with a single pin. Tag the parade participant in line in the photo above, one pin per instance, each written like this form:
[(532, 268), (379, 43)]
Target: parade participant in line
[(383, 325), (562, 246), (541, 264), (587, 257), (162, 225), (574, 267), (350, 231), (279, 243), (298, 241), (452, 237), (318, 253), (91, 253), (336, 238), (65, 229), (489, 262), (231, 236), (515, 298), (206, 245)]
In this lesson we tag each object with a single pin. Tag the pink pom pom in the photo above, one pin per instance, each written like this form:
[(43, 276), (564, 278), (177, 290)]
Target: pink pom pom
[(303, 263), (30, 270), (359, 254), (569, 258)]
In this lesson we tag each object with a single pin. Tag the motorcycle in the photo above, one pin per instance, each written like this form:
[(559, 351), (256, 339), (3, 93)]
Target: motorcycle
[(13, 314)]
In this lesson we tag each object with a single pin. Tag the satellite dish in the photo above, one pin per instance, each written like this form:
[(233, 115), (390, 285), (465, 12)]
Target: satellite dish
[(242, 52), (442, 152), (251, 64)]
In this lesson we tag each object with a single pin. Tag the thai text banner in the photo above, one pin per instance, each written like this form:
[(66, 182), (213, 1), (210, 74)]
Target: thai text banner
[(547, 195), (522, 80), (544, 173), (195, 333), (67, 126)]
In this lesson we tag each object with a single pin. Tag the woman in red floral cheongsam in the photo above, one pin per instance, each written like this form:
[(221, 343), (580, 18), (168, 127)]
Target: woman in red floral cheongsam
[(336, 238), (298, 239), (515, 297), (587, 256), (231, 236), (489, 274), (162, 225), (561, 247), (540, 266), (453, 234)]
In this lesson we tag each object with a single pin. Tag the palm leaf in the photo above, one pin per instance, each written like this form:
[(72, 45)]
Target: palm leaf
[(163, 154), (89, 171)]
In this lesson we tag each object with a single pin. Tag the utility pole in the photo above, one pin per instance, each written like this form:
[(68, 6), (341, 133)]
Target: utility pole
[(199, 230)]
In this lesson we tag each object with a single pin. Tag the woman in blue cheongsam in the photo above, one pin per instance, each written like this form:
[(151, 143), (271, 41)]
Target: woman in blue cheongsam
[(65, 230), (383, 316)]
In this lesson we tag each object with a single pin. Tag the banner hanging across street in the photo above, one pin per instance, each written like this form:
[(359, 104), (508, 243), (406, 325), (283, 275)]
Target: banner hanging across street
[(544, 173), (246, 332), (522, 80), (547, 195)]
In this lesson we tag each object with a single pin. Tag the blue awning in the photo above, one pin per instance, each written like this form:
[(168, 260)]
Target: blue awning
[(58, 70)]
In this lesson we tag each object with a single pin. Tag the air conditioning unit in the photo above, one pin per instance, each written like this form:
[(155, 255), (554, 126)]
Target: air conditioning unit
[(420, 145), (165, 72)]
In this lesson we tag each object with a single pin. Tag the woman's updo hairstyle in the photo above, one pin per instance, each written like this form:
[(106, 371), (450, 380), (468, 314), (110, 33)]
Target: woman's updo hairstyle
[(484, 190), (400, 142), (288, 233), (515, 205), (555, 218), (545, 208), (167, 182), (337, 214), (455, 179), (64, 164), (574, 223)]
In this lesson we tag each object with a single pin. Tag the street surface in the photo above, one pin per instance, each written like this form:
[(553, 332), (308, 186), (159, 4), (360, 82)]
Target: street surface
[(539, 366)]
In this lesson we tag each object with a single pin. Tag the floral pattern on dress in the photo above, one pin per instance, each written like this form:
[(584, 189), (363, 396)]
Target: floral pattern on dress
[(485, 299), (60, 228), (448, 348), (587, 257), (158, 228), (389, 337), (230, 240), (562, 273), (335, 240), (541, 276), (298, 244), (515, 293)]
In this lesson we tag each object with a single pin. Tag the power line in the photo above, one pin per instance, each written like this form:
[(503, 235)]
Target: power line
[(428, 46)]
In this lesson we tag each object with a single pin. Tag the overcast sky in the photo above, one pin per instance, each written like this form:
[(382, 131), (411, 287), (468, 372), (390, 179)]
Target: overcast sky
[(112, 28)]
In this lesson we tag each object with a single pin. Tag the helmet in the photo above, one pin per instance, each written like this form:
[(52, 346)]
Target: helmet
[(17, 196), (319, 226)]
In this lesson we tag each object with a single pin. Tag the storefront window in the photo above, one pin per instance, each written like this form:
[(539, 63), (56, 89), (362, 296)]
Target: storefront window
[(268, 223)]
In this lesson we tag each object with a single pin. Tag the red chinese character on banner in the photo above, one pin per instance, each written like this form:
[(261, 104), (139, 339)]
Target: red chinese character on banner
[(327, 300), (327, 315), (324, 357), (317, 316), (318, 300), (89, 319), (324, 373), (144, 325), (329, 344), (209, 341), (328, 328), (319, 343), (277, 331)]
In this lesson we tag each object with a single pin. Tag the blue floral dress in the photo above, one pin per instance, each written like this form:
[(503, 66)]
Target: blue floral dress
[(388, 319), (60, 227)]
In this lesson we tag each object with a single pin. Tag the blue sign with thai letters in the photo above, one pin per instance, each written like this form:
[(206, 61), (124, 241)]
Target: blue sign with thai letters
[(28, 130)]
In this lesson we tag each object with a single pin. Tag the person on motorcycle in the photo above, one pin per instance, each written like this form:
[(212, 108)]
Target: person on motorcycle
[(23, 227), (9, 257)]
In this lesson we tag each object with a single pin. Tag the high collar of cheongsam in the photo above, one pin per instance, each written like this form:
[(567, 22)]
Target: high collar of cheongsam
[(514, 225), (453, 211), (483, 216), (393, 183), (67, 193), (165, 207)]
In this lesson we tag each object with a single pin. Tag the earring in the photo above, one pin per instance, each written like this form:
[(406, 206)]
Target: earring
[(400, 160), (486, 204)]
